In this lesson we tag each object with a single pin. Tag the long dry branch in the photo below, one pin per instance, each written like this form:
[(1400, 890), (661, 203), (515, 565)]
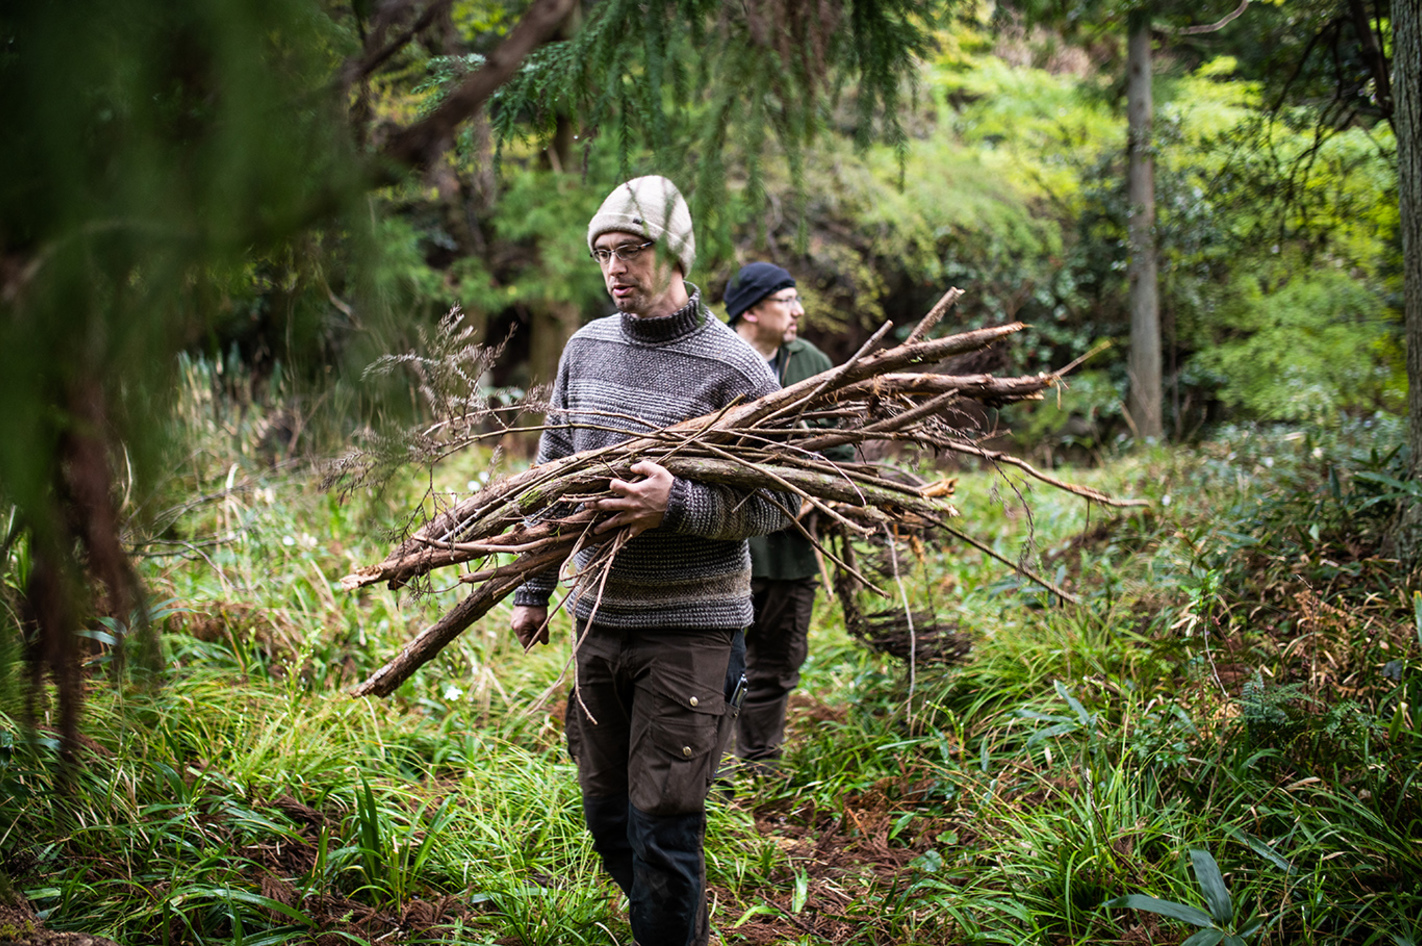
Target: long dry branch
[(998, 456), (432, 640)]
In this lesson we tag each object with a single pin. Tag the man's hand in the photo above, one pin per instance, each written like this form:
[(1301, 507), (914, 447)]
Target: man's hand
[(641, 504), (527, 622)]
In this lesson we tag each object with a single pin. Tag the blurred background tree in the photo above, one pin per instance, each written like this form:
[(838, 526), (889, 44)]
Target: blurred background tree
[(1407, 50)]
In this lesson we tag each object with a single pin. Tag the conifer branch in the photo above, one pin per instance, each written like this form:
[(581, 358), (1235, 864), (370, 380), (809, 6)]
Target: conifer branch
[(420, 145)]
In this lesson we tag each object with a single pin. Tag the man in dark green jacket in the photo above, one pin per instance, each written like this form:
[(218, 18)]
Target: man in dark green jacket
[(764, 309)]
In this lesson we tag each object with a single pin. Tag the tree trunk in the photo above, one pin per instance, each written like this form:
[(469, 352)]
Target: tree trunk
[(1372, 54), (1145, 363), (1407, 92)]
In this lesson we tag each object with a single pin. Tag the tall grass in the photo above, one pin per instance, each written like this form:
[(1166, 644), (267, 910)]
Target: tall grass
[(1239, 680)]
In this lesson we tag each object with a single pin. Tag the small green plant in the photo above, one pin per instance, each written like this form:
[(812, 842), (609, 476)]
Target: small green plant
[(1268, 713), (1089, 762), (391, 859), (1218, 925), (118, 637)]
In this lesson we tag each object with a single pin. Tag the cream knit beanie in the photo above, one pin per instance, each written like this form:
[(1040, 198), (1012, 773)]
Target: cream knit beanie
[(653, 208)]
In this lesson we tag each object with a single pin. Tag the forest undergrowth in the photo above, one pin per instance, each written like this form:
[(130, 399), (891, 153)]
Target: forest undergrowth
[(1221, 741)]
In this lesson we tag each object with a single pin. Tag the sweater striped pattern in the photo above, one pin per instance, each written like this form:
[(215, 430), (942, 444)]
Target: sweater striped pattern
[(620, 376)]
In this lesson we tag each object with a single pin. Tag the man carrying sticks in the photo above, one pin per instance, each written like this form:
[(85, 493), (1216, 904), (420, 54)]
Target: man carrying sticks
[(660, 647), (764, 308)]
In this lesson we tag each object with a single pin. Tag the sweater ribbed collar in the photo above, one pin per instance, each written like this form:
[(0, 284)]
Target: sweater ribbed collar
[(666, 328)]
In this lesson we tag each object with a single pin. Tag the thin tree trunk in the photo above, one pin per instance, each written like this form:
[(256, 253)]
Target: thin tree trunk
[(1407, 92), (1145, 361), (1372, 54)]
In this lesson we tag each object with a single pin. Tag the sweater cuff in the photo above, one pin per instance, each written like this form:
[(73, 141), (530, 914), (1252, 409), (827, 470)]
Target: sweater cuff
[(678, 506), (529, 597)]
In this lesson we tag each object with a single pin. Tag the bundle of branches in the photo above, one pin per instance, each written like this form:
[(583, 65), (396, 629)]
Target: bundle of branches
[(770, 443)]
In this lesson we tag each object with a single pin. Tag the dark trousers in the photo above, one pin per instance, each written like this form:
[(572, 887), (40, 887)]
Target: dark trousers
[(776, 647), (647, 725)]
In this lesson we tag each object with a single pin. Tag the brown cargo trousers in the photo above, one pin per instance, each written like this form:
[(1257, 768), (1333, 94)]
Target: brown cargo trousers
[(647, 725)]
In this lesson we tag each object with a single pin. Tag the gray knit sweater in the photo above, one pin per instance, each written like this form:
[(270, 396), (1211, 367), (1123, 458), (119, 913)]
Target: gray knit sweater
[(629, 375)]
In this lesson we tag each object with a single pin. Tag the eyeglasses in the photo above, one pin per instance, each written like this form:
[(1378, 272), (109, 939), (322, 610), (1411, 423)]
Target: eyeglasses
[(627, 252), (790, 300)]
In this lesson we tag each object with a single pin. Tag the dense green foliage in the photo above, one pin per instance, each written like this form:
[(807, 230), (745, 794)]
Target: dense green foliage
[(704, 89), (1001, 172)]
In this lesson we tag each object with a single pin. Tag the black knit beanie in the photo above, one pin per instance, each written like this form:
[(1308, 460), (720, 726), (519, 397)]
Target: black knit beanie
[(753, 283)]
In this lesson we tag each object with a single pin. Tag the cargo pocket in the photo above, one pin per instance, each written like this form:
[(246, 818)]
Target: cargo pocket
[(672, 774)]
